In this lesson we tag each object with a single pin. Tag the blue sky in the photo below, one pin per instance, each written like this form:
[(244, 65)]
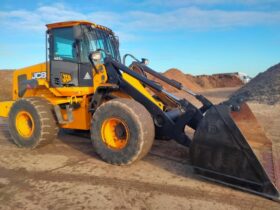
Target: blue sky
[(196, 36)]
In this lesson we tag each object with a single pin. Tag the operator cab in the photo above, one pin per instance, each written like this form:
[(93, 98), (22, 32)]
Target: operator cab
[(69, 45)]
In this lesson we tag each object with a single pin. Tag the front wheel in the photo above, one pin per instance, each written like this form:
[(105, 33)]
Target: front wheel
[(122, 131)]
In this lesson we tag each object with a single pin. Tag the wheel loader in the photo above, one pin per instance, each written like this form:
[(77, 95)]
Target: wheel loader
[(84, 85)]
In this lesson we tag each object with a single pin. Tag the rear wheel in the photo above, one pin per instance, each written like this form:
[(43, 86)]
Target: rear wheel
[(122, 131), (32, 122)]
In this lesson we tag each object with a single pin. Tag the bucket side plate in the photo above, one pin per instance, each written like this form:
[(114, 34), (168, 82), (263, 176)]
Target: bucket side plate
[(221, 152), (259, 142)]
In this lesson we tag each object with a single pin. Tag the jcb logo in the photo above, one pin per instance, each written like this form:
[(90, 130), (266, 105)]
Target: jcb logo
[(39, 75), (65, 78)]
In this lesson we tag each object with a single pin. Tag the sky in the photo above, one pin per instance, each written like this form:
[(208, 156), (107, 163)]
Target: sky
[(195, 36)]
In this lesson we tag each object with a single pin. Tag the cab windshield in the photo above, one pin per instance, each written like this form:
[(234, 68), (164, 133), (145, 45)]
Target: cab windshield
[(100, 39)]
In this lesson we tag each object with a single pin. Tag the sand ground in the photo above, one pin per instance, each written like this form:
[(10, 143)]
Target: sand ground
[(69, 175)]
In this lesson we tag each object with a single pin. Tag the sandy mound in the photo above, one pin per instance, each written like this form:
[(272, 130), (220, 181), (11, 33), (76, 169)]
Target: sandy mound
[(264, 88), (175, 74), (198, 83), (186, 80), (6, 77), (218, 81)]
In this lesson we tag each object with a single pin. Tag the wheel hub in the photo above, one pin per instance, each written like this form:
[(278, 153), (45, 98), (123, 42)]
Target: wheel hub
[(24, 124), (115, 133)]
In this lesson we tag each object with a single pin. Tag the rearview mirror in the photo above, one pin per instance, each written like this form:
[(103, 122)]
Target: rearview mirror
[(77, 32), (117, 41)]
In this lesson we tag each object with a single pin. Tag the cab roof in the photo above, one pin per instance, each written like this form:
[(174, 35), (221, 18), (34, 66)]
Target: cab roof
[(77, 22)]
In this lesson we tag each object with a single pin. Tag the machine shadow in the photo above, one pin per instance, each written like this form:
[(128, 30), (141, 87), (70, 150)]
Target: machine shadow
[(78, 140), (167, 155)]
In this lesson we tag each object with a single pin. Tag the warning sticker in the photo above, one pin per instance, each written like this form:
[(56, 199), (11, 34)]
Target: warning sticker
[(87, 76)]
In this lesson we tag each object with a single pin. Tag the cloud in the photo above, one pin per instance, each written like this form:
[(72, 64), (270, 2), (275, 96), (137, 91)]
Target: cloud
[(35, 20), (208, 2), (195, 18), (128, 23), (176, 3)]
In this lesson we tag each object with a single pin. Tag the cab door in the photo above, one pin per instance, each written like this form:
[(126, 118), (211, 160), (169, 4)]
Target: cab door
[(66, 68)]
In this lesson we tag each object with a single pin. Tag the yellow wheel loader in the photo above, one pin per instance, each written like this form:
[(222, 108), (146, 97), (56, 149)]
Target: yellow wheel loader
[(84, 85)]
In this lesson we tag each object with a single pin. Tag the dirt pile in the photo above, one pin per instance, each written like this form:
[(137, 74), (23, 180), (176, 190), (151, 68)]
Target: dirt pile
[(218, 81), (175, 74), (6, 85), (264, 88), (198, 83), (187, 80)]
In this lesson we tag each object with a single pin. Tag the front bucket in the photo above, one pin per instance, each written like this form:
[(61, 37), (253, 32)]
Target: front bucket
[(230, 147)]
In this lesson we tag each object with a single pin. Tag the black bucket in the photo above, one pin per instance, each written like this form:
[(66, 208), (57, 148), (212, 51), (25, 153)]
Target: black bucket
[(231, 148)]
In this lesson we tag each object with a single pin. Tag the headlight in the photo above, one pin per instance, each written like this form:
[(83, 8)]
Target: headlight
[(96, 56)]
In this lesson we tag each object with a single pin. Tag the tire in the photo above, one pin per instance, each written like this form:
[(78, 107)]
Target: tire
[(39, 119), (138, 130)]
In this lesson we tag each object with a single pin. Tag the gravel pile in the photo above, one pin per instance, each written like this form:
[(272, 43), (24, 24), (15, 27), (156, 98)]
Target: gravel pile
[(218, 81), (264, 88)]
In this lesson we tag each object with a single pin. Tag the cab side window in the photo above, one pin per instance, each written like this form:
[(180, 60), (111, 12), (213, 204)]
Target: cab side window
[(64, 44)]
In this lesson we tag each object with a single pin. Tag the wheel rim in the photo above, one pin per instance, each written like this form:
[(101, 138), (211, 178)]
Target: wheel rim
[(115, 133), (24, 124)]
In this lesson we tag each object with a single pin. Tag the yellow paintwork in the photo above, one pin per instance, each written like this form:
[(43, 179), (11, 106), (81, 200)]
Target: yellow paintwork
[(44, 90), (25, 124), (5, 107), (71, 91), (82, 117), (100, 77), (64, 95), (61, 95), (136, 84), (75, 23), (109, 134), (29, 73), (68, 95)]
